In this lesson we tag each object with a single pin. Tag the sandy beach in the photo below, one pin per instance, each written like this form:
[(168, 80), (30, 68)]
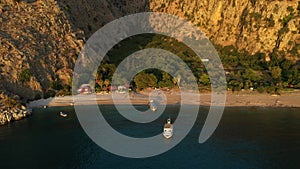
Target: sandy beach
[(232, 99)]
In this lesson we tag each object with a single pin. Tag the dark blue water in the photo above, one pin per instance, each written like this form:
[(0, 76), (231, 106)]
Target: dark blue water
[(247, 138)]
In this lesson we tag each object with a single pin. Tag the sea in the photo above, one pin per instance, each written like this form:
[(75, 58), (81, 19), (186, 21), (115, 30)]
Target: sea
[(246, 138)]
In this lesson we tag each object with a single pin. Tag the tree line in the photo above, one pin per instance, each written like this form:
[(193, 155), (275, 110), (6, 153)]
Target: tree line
[(264, 73)]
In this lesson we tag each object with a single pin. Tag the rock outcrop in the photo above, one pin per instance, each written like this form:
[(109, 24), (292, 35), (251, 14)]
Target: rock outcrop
[(11, 110), (14, 114)]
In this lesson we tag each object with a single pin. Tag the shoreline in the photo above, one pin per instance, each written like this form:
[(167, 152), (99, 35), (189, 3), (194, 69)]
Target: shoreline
[(241, 99)]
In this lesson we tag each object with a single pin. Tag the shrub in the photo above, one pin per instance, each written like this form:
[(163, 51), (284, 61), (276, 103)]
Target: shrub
[(260, 89), (49, 93), (24, 76), (56, 85), (63, 93), (37, 96), (287, 19), (297, 86), (270, 21), (290, 9), (255, 15)]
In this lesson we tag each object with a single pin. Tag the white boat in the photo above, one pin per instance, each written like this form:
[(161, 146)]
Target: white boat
[(153, 108), (63, 114), (168, 129), (152, 105)]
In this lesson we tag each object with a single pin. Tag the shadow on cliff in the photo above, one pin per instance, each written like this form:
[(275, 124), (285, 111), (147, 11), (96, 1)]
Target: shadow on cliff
[(91, 15)]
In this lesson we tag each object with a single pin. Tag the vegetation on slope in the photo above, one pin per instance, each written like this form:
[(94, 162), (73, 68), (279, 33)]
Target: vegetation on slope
[(262, 72)]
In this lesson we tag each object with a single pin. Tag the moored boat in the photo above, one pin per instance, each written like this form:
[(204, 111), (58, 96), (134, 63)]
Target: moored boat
[(63, 114), (152, 105), (168, 129)]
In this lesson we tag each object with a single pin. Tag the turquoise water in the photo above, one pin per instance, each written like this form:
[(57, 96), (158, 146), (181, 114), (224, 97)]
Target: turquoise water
[(247, 138)]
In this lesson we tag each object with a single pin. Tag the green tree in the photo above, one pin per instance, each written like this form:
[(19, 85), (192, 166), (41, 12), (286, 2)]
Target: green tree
[(100, 84), (276, 73), (251, 75), (144, 80), (106, 82), (204, 79), (294, 75), (49, 93), (167, 81), (235, 85), (56, 85), (248, 84), (105, 71)]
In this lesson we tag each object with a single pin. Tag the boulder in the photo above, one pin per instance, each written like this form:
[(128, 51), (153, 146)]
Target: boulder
[(23, 107)]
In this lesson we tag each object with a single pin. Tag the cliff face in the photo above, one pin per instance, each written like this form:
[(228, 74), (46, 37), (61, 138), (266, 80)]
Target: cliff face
[(38, 43), (43, 38), (254, 26), (91, 15), (251, 25)]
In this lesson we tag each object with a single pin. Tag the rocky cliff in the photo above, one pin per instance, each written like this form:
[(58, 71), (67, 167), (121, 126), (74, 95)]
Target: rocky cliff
[(251, 25), (40, 39), (39, 46)]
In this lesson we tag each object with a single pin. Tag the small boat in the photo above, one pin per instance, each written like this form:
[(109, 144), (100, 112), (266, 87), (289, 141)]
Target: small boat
[(63, 114), (152, 105), (168, 129)]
